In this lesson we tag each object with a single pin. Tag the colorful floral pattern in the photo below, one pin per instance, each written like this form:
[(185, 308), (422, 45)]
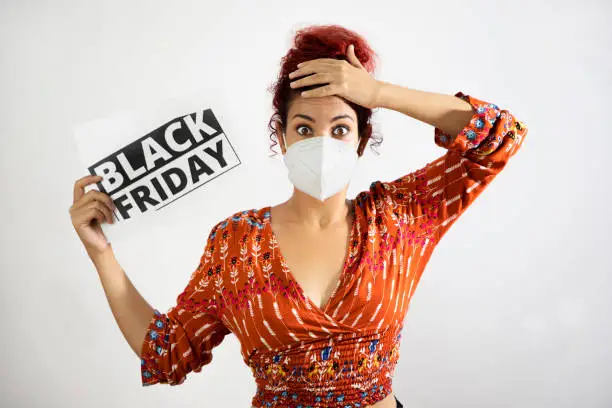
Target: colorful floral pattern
[(344, 354)]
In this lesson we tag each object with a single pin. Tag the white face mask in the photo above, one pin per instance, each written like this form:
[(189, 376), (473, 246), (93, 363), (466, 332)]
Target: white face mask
[(320, 166)]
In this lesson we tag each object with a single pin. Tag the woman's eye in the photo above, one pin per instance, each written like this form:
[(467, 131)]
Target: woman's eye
[(300, 127), (346, 130)]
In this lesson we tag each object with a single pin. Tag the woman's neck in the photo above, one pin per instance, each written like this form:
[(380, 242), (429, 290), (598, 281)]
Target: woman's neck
[(304, 209)]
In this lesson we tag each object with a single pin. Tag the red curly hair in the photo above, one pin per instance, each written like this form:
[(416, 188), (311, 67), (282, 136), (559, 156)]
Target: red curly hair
[(321, 41)]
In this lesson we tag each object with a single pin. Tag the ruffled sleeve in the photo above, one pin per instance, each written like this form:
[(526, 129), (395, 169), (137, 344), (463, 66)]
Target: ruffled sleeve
[(181, 340), (432, 198)]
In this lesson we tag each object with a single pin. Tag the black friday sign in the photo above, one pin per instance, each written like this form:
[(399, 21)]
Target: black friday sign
[(151, 171)]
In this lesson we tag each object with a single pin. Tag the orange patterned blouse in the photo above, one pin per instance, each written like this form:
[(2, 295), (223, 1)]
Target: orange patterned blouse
[(344, 354)]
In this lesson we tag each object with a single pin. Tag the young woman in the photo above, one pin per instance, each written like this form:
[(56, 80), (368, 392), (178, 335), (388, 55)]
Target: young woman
[(316, 288)]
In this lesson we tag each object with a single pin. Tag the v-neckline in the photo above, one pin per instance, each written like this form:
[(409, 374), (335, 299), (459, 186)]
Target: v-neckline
[(345, 264)]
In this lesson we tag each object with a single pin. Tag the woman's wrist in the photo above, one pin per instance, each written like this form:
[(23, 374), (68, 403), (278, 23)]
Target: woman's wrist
[(99, 257)]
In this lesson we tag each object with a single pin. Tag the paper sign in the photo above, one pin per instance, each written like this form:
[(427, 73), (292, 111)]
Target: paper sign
[(154, 156)]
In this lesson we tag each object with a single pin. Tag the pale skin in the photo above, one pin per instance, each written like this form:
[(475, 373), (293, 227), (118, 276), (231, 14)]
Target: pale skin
[(313, 235)]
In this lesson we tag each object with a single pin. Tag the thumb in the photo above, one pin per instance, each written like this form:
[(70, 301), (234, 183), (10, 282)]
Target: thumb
[(352, 57)]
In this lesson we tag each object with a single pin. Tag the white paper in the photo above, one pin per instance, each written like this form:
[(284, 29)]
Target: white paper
[(152, 156)]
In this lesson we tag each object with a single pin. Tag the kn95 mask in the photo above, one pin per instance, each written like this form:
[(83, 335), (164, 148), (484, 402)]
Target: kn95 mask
[(320, 166)]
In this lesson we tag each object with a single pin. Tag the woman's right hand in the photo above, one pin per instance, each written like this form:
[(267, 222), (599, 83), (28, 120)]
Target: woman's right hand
[(88, 211)]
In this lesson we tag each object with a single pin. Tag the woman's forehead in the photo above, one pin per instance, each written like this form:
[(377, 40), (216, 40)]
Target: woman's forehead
[(323, 108)]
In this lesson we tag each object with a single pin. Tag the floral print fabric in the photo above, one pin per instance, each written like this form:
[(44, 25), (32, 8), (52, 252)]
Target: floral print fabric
[(344, 354)]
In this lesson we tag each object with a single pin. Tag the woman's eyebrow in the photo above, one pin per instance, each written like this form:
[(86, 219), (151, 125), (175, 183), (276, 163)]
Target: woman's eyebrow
[(314, 121)]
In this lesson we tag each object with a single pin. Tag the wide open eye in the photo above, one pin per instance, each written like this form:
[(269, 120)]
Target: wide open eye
[(297, 129), (346, 130)]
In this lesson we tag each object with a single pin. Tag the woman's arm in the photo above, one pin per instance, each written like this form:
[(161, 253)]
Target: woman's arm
[(182, 339), (446, 112), (480, 138), (131, 310)]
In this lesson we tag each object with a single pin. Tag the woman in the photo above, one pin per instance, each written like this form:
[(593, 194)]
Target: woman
[(316, 288)]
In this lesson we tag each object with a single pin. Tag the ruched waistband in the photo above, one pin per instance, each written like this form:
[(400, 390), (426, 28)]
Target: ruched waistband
[(349, 371)]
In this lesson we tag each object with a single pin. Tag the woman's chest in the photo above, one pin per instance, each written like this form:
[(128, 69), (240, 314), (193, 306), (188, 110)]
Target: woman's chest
[(315, 260), (342, 276), (276, 291)]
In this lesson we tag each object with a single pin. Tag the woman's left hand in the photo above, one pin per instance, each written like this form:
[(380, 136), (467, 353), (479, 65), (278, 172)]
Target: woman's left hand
[(349, 80)]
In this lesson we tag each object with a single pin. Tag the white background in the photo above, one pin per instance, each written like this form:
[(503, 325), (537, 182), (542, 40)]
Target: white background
[(513, 309)]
